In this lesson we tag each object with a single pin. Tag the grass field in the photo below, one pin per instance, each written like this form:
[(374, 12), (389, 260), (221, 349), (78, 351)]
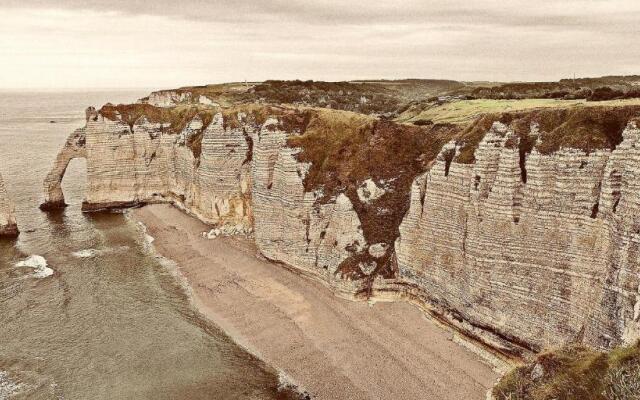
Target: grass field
[(465, 111)]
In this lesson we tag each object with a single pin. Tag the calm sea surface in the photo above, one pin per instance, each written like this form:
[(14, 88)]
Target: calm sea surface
[(112, 322)]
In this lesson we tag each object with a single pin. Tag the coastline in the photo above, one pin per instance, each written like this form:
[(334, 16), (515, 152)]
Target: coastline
[(331, 347)]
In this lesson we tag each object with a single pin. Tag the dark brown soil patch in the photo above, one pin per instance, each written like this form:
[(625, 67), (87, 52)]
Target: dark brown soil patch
[(346, 151), (176, 117), (582, 128)]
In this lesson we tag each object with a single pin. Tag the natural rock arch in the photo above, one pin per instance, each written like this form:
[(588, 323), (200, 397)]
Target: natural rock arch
[(75, 147)]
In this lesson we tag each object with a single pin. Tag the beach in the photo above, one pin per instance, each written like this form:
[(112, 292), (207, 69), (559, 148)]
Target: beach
[(331, 347)]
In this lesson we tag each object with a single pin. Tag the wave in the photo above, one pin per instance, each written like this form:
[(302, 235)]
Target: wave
[(39, 265), (8, 387), (86, 253), (90, 253)]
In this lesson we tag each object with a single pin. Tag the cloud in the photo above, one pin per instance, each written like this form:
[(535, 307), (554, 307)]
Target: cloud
[(166, 43), (588, 14)]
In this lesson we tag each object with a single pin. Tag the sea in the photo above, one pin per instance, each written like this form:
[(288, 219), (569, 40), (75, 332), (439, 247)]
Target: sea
[(87, 309)]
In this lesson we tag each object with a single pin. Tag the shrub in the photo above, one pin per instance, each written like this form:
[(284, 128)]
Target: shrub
[(605, 93), (575, 373)]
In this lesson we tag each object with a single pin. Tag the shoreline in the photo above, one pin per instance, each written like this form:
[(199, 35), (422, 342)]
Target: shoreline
[(328, 346)]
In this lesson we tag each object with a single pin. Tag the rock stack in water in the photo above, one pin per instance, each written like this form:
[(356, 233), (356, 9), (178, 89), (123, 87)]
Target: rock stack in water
[(8, 225)]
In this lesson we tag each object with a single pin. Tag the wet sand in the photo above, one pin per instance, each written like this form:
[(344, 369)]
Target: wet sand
[(332, 347)]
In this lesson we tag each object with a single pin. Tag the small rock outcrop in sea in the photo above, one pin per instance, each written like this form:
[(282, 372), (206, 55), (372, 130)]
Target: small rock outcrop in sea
[(8, 225), (521, 230)]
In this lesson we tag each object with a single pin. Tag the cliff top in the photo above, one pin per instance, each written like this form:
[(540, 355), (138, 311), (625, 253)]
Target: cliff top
[(366, 97), (403, 99), (582, 128), (463, 112), (578, 125), (176, 118)]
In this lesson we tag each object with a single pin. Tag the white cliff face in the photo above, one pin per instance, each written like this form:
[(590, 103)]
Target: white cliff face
[(520, 254), (171, 98), (536, 264), (145, 163), (168, 98), (8, 226), (216, 186), (290, 226)]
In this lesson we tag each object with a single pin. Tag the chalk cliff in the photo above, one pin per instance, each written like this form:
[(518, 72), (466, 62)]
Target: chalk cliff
[(8, 226), (529, 263), (521, 231)]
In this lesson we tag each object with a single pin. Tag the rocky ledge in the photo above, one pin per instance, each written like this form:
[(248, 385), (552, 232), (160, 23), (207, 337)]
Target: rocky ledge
[(8, 225), (521, 230)]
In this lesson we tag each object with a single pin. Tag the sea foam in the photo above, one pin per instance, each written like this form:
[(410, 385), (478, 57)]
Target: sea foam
[(7, 386), (89, 253), (39, 265)]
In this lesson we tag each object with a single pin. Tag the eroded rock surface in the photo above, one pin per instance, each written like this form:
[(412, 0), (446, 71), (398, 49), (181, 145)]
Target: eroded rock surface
[(529, 265), (8, 225)]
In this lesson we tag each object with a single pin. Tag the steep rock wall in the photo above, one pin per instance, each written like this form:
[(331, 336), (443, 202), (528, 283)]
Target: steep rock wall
[(290, 225), (529, 265), (8, 225), (140, 163), (215, 185)]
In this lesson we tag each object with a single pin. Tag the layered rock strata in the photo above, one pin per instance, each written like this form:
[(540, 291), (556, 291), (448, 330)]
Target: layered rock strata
[(507, 234), (8, 225), (528, 266)]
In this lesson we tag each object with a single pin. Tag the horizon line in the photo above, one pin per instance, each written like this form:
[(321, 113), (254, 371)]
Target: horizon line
[(169, 87)]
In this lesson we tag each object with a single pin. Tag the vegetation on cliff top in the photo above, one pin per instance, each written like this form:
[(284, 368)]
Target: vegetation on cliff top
[(575, 373), (583, 128), (345, 149), (463, 112), (568, 125), (617, 87), (412, 100), (366, 97), (176, 118)]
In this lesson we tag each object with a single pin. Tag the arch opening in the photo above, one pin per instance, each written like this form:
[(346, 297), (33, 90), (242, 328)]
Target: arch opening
[(74, 181)]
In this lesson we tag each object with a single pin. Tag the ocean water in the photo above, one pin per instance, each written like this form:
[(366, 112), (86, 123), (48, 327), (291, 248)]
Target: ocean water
[(87, 311)]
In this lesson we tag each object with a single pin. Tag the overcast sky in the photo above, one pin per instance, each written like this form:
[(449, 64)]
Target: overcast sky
[(169, 43)]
